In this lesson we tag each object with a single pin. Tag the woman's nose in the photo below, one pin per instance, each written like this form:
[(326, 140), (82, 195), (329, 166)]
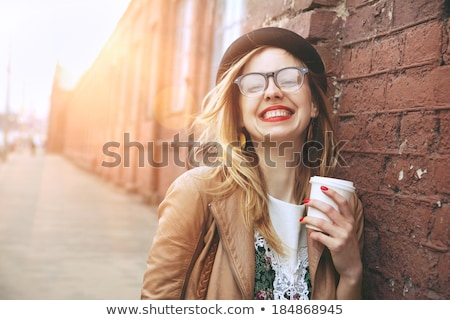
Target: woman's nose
[(272, 91)]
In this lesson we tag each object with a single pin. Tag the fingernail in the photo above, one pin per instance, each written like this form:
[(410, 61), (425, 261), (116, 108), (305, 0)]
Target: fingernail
[(305, 201), (324, 188), (301, 219)]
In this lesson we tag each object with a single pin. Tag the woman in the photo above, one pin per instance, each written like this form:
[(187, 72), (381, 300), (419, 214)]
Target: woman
[(235, 229)]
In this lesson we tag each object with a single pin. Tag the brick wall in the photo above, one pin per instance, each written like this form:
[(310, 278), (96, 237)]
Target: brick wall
[(389, 72), (394, 110)]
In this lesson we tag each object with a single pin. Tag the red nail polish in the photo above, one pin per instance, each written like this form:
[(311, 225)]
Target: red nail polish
[(301, 219), (305, 201), (324, 188)]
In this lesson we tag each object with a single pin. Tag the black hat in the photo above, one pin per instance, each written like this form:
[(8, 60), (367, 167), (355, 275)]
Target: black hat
[(275, 37)]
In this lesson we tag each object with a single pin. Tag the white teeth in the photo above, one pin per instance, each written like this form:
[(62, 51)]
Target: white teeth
[(276, 113)]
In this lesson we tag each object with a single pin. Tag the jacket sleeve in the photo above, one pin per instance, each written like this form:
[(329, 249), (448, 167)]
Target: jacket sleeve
[(359, 222), (182, 217)]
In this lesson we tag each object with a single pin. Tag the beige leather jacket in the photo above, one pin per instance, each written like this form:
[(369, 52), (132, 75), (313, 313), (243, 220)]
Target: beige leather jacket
[(185, 262)]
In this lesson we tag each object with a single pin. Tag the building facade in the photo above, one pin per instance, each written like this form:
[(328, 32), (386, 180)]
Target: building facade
[(388, 63)]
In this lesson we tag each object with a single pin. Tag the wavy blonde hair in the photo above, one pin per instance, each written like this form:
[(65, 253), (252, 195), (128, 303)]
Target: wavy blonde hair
[(220, 121)]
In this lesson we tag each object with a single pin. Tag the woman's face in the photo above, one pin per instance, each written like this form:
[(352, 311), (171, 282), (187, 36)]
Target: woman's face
[(283, 116)]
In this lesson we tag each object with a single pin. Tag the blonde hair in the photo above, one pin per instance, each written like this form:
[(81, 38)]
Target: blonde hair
[(220, 121)]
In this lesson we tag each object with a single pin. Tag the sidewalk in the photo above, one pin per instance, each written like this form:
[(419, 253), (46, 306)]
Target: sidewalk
[(66, 234)]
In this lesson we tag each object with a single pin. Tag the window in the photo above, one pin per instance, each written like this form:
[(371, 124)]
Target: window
[(182, 57), (229, 17)]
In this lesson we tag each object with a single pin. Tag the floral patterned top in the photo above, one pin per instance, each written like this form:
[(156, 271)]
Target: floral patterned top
[(282, 277), (272, 286)]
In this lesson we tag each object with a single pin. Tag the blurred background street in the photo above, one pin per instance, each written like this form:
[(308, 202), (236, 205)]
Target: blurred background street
[(67, 234)]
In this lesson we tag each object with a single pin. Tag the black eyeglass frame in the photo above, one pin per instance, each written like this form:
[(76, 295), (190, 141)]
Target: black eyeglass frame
[(303, 71)]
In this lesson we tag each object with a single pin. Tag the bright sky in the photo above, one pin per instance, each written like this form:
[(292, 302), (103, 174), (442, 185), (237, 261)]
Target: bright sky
[(39, 33)]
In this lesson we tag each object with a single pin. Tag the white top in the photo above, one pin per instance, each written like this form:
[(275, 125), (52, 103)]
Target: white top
[(289, 270)]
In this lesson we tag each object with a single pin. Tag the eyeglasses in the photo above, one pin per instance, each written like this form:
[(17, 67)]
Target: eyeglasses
[(288, 79)]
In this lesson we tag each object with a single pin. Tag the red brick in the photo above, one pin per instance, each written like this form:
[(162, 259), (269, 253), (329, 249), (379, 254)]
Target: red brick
[(363, 94), (327, 2), (419, 130), (367, 21), (410, 11), (418, 86), (316, 25), (265, 8), (423, 43), (393, 240), (365, 170), (307, 4), (440, 77), (351, 130), (380, 132), (302, 4), (357, 61), (410, 176), (352, 4), (444, 132), (398, 258), (409, 88), (446, 39), (386, 53), (439, 283), (259, 11), (301, 23), (330, 58), (441, 175), (440, 226), (324, 25)]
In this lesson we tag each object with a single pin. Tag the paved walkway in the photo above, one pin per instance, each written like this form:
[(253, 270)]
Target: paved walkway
[(66, 234)]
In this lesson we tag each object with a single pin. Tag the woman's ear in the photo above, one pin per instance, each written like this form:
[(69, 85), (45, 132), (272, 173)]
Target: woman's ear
[(314, 110)]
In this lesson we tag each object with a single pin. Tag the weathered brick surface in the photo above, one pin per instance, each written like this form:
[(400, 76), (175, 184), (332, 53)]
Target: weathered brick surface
[(368, 21), (423, 43), (301, 23), (387, 53), (395, 51), (352, 4), (324, 25), (331, 60), (409, 88), (440, 78), (439, 172), (409, 175), (369, 132), (316, 25), (408, 12), (394, 112), (446, 37), (418, 131), (444, 132), (357, 166), (261, 12), (357, 61), (393, 241), (307, 4), (358, 95)]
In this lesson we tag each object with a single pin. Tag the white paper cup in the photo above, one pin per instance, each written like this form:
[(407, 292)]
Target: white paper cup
[(343, 187)]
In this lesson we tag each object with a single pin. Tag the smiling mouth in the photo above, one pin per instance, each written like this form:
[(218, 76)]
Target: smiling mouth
[(277, 114)]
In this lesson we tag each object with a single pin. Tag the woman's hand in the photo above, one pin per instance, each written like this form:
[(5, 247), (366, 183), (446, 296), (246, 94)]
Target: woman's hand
[(340, 237)]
